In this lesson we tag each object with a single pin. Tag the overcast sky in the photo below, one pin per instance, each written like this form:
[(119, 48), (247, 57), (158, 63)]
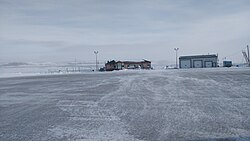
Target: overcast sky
[(62, 30)]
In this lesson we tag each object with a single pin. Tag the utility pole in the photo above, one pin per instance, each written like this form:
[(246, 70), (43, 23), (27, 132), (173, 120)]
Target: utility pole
[(248, 56), (176, 63), (96, 62), (75, 65)]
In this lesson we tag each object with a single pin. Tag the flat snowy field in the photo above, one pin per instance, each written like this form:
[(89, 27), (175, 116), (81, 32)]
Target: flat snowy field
[(188, 105)]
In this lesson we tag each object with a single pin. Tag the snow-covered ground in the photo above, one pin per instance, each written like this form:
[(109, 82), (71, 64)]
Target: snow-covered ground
[(15, 69), (191, 104)]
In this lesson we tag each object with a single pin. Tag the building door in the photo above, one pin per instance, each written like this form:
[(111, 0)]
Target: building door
[(185, 64), (208, 64), (119, 66), (197, 64)]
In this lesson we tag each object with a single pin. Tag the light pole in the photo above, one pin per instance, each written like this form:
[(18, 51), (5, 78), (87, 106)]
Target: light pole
[(176, 63), (96, 63), (248, 56)]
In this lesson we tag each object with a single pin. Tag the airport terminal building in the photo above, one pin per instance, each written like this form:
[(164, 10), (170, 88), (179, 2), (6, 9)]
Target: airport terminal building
[(198, 61)]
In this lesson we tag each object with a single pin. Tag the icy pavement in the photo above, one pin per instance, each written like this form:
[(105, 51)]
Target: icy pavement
[(188, 105)]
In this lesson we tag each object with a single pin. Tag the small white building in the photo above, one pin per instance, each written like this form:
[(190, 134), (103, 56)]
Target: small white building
[(198, 61)]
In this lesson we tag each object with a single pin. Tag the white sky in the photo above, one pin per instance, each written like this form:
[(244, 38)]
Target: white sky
[(62, 30)]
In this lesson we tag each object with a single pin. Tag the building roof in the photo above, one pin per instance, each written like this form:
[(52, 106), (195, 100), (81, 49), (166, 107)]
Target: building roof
[(198, 56), (111, 62), (146, 61)]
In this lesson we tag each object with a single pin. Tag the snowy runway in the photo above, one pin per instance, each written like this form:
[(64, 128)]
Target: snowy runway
[(202, 104)]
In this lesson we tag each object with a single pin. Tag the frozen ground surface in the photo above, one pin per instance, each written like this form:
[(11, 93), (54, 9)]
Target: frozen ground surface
[(188, 105)]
